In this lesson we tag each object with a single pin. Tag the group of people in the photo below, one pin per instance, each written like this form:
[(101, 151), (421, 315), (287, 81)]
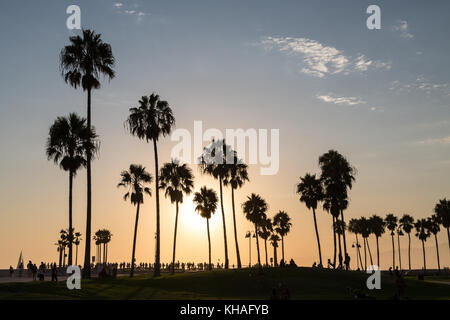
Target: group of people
[(343, 263), (37, 272)]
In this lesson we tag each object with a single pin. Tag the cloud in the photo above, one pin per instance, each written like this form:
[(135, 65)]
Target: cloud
[(118, 4), (403, 28), (139, 14), (320, 60), (349, 101), (435, 141), (420, 84)]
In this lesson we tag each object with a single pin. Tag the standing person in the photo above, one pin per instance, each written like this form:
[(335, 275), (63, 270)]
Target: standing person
[(54, 272), (34, 271), (11, 271)]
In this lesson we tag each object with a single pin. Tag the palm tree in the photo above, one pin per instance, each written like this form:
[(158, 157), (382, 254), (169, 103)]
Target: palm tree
[(98, 238), (311, 192), (135, 180), (364, 227), (332, 205), (106, 237), (407, 224), (340, 227), (255, 209), (337, 176), (377, 227), (68, 142), (399, 234), (274, 238), (64, 241), (423, 233), (177, 180), (354, 227), (282, 224), (236, 178), (152, 119), (433, 226), (82, 63), (442, 209), (391, 224), (214, 162), (265, 231), (76, 241), (206, 205)]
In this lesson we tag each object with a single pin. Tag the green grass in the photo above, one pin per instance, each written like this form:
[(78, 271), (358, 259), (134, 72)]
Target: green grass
[(303, 283)]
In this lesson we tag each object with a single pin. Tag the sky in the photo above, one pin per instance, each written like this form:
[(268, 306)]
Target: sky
[(311, 69)]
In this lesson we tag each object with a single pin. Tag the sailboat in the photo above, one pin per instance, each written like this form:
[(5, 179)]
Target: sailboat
[(20, 262)]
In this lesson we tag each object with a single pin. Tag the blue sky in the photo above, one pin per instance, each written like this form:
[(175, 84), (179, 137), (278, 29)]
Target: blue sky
[(310, 68)]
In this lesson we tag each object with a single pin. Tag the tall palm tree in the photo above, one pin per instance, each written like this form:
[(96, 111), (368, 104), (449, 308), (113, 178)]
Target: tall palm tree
[(332, 204), (98, 238), (337, 176), (423, 233), (274, 238), (311, 192), (177, 180), (391, 224), (237, 175), (255, 209), (433, 226), (282, 224), (76, 241), (135, 180), (151, 120), (399, 234), (106, 235), (354, 227), (442, 209), (407, 224), (83, 62), (67, 145), (340, 227), (364, 227), (265, 231), (64, 241), (377, 227), (214, 162), (206, 205)]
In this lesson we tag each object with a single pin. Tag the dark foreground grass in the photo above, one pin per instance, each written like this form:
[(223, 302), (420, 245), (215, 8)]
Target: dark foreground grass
[(303, 283)]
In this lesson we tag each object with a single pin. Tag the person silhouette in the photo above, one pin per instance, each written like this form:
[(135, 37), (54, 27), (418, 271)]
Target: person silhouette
[(11, 271)]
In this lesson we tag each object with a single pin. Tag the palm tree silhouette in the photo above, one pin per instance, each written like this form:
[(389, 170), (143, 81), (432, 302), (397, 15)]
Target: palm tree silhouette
[(433, 225), (150, 121), (282, 224), (64, 242), (76, 241), (237, 175), (265, 231), (255, 209), (68, 143), (355, 227), (106, 239), (391, 224), (407, 224), (274, 238), (206, 205), (377, 227), (423, 233), (399, 234), (82, 63), (135, 180), (365, 230), (340, 227), (332, 205), (442, 209), (337, 176), (311, 192), (177, 180), (215, 162)]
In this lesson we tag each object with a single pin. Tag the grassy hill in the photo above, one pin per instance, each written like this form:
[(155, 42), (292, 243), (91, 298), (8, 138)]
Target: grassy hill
[(303, 283)]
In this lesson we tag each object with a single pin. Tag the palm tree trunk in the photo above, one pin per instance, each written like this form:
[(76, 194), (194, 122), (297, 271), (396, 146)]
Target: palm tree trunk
[(64, 257), (317, 236), (424, 260), (134, 240), (76, 255), (437, 252), (365, 254), (265, 247), (104, 252), (378, 253), (409, 250), (275, 256), (343, 234), (334, 238), (393, 252), (282, 247), (209, 245), (257, 245), (370, 253), (448, 236), (224, 226), (60, 257), (175, 238), (250, 251), (70, 216), (157, 270), (238, 256), (340, 247), (399, 252), (87, 251), (359, 251)]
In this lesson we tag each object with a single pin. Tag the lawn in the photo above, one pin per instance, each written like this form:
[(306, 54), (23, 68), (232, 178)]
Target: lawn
[(303, 283)]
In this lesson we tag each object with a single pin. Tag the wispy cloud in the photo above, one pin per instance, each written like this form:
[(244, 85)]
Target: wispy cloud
[(119, 6), (339, 100), (403, 28), (320, 60), (422, 84), (434, 141)]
